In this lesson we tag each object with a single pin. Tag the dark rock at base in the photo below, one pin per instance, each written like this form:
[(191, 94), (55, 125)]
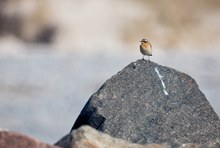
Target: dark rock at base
[(149, 103), (10, 139)]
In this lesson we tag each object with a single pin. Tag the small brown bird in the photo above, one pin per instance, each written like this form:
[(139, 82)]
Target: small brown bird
[(146, 48)]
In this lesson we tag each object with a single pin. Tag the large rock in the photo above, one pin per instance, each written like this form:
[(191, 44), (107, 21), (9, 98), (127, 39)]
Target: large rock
[(10, 139), (149, 103)]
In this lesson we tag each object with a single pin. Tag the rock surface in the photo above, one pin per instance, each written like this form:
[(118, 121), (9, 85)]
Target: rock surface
[(149, 103), (86, 136), (10, 139)]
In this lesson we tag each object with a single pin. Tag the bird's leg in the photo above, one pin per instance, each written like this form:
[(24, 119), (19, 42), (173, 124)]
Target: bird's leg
[(149, 58), (143, 57)]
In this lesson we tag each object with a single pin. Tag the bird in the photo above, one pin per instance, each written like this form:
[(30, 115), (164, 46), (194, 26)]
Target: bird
[(146, 48)]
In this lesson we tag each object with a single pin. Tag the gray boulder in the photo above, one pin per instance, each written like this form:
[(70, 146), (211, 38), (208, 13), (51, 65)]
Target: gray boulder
[(149, 103)]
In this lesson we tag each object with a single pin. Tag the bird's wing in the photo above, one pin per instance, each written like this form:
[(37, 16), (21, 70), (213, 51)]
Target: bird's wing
[(150, 45)]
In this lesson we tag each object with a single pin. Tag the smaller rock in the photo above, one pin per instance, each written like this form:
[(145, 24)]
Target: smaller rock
[(86, 136), (10, 139)]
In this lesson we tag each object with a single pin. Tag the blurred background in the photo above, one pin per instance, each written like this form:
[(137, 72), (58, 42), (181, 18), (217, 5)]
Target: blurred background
[(55, 54)]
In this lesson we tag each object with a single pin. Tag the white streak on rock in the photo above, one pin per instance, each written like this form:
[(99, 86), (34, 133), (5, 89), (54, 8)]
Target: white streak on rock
[(160, 77)]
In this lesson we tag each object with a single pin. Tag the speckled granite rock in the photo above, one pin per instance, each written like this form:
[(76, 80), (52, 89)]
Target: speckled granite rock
[(10, 139), (149, 103)]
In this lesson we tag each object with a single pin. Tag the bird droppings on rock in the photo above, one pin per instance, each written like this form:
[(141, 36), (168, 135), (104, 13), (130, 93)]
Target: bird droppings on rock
[(160, 77)]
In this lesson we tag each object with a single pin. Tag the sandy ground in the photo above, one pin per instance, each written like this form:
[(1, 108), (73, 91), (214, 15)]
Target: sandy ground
[(43, 92)]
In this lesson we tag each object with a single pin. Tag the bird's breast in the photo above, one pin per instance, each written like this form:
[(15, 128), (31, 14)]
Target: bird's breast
[(146, 49)]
